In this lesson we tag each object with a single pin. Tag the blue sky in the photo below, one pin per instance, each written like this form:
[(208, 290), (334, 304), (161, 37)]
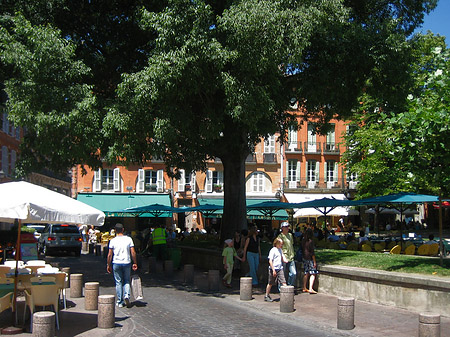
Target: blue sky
[(438, 21)]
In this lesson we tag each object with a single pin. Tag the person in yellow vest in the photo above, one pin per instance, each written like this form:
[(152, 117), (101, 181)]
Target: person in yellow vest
[(159, 242)]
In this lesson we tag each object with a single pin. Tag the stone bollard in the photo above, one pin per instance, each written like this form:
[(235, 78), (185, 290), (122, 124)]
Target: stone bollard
[(67, 271), (429, 325), (346, 313), (189, 273), (106, 311), (91, 248), (98, 249), (246, 288), (91, 291), (44, 324), (286, 298), (152, 264), (168, 268), (84, 246), (76, 285), (213, 280)]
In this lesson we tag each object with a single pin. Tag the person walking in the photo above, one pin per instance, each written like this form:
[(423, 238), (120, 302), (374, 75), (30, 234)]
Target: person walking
[(252, 252), (309, 262), (288, 251), (229, 253), (276, 273), (121, 254), (159, 242)]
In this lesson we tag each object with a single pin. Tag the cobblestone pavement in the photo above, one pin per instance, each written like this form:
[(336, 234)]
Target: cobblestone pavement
[(172, 308)]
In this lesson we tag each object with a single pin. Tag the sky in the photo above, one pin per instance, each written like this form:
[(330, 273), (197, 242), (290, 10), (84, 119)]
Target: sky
[(438, 20)]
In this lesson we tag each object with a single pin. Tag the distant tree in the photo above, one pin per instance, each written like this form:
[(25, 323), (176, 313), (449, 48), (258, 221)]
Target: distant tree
[(218, 76)]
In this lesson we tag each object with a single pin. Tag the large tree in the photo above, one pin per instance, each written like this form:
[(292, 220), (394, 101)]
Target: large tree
[(218, 76)]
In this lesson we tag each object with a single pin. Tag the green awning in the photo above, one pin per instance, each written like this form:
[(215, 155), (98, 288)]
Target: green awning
[(110, 203), (251, 214)]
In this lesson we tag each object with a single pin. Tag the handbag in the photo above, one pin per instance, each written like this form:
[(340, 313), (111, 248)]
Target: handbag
[(136, 287)]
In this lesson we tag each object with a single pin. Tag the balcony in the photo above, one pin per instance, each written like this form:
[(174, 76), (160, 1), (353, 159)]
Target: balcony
[(307, 186), (293, 147), (330, 148), (251, 158), (312, 147), (270, 158)]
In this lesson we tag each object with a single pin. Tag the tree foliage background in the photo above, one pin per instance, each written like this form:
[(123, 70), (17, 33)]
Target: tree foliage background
[(125, 81)]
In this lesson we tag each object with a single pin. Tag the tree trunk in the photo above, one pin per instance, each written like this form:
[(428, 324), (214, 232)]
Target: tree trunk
[(235, 209)]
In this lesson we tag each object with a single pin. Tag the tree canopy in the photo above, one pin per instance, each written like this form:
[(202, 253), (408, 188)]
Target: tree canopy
[(191, 80), (407, 149)]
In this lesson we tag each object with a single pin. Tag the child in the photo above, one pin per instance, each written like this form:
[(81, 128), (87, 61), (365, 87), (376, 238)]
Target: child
[(229, 253), (276, 259)]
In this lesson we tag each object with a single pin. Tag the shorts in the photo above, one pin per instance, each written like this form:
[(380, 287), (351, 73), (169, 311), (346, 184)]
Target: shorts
[(308, 267), (280, 277)]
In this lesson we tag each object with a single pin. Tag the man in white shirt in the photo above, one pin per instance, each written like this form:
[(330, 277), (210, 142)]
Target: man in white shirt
[(121, 252)]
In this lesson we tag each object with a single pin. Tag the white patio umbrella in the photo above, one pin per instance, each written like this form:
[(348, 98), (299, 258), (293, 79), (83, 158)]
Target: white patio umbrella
[(29, 203)]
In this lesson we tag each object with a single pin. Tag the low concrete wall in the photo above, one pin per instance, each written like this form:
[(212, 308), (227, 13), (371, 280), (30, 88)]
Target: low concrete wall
[(414, 292)]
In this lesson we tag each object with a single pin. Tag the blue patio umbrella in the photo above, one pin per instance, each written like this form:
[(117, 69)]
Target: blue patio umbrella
[(269, 208), (206, 209), (156, 210)]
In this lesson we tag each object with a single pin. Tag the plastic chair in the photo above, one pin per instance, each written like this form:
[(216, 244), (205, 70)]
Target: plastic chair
[(391, 245), (352, 246), (434, 249), (366, 247), (42, 296), (42, 279), (396, 250), (6, 302), (378, 247), (423, 250), (4, 270), (60, 280), (410, 250)]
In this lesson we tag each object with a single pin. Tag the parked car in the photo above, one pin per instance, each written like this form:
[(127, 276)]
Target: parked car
[(38, 229), (60, 237)]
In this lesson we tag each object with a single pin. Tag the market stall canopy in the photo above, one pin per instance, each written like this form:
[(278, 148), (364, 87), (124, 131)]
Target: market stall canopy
[(112, 204), (35, 204)]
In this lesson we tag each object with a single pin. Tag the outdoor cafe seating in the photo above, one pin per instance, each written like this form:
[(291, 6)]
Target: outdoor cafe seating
[(43, 293)]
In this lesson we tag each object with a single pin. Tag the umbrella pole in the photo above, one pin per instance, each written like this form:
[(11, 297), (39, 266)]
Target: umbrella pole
[(441, 246), (16, 273)]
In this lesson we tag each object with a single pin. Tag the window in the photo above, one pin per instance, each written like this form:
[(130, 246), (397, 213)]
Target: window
[(258, 182), (150, 181), (293, 173), (331, 171), (214, 181), (269, 144), (331, 139), (312, 145), (292, 138), (107, 180), (313, 171), (5, 160)]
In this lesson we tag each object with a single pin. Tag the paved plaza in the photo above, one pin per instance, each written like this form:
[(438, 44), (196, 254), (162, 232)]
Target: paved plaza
[(172, 308)]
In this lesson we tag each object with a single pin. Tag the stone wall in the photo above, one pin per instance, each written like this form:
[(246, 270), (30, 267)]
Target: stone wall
[(413, 292)]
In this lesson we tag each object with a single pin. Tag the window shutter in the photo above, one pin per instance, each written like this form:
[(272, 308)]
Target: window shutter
[(325, 167), (181, 181), (209, 181), (97, 181), (297, 176), (160, 181), (317, 172), (140, 186), (336, 168), (116, 179), (193, 182)]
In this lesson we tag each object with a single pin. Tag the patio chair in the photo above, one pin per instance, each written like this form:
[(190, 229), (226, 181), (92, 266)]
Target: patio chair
[(4, 270), (434, 249), (43, 279), (6, 280), (423, 250), (366, 247), (410, 250), (352, 246), (391, 245), (396, 249), (378, 247), (41, 296), (6, 302)]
